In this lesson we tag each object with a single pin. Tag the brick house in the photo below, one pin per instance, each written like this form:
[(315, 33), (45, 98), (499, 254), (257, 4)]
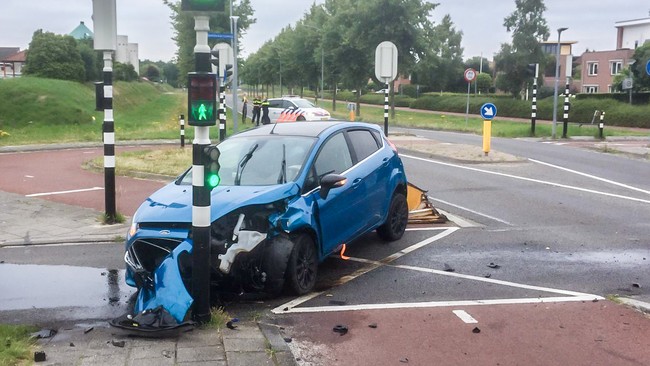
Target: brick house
[(600, 68), (11, 62)]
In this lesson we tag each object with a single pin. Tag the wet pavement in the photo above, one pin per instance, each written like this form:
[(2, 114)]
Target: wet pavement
[(31, 221)]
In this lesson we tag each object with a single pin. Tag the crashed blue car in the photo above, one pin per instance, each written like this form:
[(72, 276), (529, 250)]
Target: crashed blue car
[(290, 195)]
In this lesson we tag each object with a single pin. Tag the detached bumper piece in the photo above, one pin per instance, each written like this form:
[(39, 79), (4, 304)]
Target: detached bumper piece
[(152, 322), (421, 210)]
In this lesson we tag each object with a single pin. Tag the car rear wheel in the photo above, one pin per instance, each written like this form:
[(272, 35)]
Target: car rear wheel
[(398, 215), (303, 265)]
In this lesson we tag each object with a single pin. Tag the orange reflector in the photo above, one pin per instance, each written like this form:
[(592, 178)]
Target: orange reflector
[(343, 246)]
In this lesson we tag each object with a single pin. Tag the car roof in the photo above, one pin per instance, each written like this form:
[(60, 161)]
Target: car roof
[(312, 129)]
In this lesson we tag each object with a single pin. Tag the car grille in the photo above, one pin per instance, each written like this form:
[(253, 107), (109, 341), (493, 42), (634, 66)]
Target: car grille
[(147, 253)]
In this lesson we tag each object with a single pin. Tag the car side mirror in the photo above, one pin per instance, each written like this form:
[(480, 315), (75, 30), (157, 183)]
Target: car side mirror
[(331, 181)]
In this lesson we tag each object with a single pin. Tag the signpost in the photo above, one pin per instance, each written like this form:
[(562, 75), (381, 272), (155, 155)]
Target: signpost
[(488, 111), (386, 71), (470, 76)]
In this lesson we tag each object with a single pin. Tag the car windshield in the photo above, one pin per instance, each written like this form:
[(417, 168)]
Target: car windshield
[(260, 160), (303, 103)]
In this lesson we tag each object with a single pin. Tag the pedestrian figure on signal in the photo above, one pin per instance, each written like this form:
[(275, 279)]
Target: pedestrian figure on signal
[(257, 109), (265, 112)]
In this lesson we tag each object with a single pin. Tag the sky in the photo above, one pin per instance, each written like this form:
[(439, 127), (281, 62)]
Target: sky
[(147, 22)]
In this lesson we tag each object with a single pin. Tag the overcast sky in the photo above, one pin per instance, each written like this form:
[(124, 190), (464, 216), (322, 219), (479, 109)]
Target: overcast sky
[(146, 22)]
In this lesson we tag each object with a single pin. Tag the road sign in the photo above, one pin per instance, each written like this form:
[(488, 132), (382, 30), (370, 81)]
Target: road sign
[(627, 84), (469, 75), (220, 35), (386, 61), (647, 67), (488, 111)]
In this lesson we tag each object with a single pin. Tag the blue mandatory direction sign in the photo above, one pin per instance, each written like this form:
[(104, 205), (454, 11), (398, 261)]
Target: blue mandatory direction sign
[(647, 67), (488, 111)]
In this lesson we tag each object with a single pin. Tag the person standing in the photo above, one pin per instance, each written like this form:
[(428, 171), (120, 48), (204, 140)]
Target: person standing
[(244, 110), (265, 112), (257, 108)]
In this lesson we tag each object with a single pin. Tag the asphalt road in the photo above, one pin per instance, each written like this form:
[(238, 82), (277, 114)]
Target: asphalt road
[(536, 249)]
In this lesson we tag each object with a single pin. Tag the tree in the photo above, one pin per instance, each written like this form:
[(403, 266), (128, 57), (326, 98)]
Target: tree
[(54, 56), (170, 72), (185, 35), (484, 82), (641, 57), (124, 72), (152, 72), (528, 28)]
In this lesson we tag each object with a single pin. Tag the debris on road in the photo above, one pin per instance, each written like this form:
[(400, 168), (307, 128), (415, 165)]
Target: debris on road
[(45, 333), (88, 330), (39, 356), (341, 329), (449, 268), (493, 265), (372, 325), (118, 343), (421, 210), (476, 330)]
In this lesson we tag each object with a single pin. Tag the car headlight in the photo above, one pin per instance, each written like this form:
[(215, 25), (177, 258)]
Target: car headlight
[(133, 229)]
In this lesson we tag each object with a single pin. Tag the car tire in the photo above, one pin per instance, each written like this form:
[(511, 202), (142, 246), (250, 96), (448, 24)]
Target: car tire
[(274, 264), (398, 215), (301, 119), (303, 265)]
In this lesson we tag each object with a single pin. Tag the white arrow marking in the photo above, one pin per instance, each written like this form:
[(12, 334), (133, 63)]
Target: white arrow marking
[(488, 111)]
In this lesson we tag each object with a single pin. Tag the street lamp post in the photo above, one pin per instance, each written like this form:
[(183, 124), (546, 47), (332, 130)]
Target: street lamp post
[(557, 80)]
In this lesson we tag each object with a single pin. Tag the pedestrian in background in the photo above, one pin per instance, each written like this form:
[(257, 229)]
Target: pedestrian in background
[(265, 112), (257, 109), (244, 110)]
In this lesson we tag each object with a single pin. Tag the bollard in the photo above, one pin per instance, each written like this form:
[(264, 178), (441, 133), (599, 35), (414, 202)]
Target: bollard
[(181, 119), (601, 125), (352, 107), (487, 132)]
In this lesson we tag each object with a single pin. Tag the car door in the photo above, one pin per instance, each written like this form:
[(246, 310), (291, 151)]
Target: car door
[(339, 215), (275, 108), (373, 169)]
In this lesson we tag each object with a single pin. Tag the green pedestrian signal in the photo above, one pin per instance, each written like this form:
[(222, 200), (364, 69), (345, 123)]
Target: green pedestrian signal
[(211, 166), (202, 99), (203, 5)]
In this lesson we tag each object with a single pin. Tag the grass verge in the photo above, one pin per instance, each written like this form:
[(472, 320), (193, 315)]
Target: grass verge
[(15, 344)]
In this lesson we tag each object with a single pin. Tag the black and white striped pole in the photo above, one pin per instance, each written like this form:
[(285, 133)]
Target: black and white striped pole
[(533, 113), (386, 110), (108, 131), (386, 71), (181, 120), (565, 116), (222, 111), (202, 86), (105, 40)]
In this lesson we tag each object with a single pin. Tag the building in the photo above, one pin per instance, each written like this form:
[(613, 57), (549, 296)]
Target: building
[(12, 60), (599, 68), (126, 53)]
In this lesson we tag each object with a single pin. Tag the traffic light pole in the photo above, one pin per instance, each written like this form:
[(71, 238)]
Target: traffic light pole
[(201, 193), (108, 130)]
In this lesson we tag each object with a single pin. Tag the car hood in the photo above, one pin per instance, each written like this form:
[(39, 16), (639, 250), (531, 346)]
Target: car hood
[(173, 203)]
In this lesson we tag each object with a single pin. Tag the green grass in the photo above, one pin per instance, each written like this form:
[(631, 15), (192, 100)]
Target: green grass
[(15, 344), (454, 122)]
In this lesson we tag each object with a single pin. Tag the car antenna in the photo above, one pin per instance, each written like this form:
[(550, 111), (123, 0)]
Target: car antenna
[(275, 124)]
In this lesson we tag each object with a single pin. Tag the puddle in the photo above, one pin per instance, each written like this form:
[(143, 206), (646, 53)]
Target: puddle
[(48, 287)]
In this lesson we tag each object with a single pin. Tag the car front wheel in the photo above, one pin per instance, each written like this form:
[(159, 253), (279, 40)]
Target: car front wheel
[(398, 215), (303, 265)]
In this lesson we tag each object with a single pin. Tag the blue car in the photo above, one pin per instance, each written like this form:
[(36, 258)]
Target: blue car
[(290, 195)]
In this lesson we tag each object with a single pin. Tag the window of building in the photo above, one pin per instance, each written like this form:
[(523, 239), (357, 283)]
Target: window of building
[(592, 89), (592, 68), (615, 67)]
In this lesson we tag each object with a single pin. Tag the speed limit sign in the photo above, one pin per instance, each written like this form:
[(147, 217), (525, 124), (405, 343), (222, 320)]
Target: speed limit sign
[(469, 75)]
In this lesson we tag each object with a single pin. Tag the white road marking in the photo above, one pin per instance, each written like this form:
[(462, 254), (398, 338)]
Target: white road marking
[(65, 192), (465, 317), (470, 210), (529, 179), (591, 176)]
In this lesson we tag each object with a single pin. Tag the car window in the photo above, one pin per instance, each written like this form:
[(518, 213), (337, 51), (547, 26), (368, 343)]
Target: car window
[(275, 103), (303, 103), (363, 143), (334, 157), (287, 104), (264, 166)]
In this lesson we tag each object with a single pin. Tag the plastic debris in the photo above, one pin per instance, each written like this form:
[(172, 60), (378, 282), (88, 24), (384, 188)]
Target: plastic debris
[(39, 356), (45, 333), (118, 343), (288, 339), (341, 329), (448, 268), (88, 330), (404, 360), (493, 265), (476, 330), (372, 325)]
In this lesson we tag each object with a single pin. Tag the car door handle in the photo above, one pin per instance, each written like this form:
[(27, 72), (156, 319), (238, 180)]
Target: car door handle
[(356, 183), (385, 161)]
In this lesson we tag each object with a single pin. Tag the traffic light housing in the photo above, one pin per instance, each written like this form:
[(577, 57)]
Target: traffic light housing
[(211, 166), (203, 5), (531, 70), (214, 60), (227, 73), (202, 99)]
